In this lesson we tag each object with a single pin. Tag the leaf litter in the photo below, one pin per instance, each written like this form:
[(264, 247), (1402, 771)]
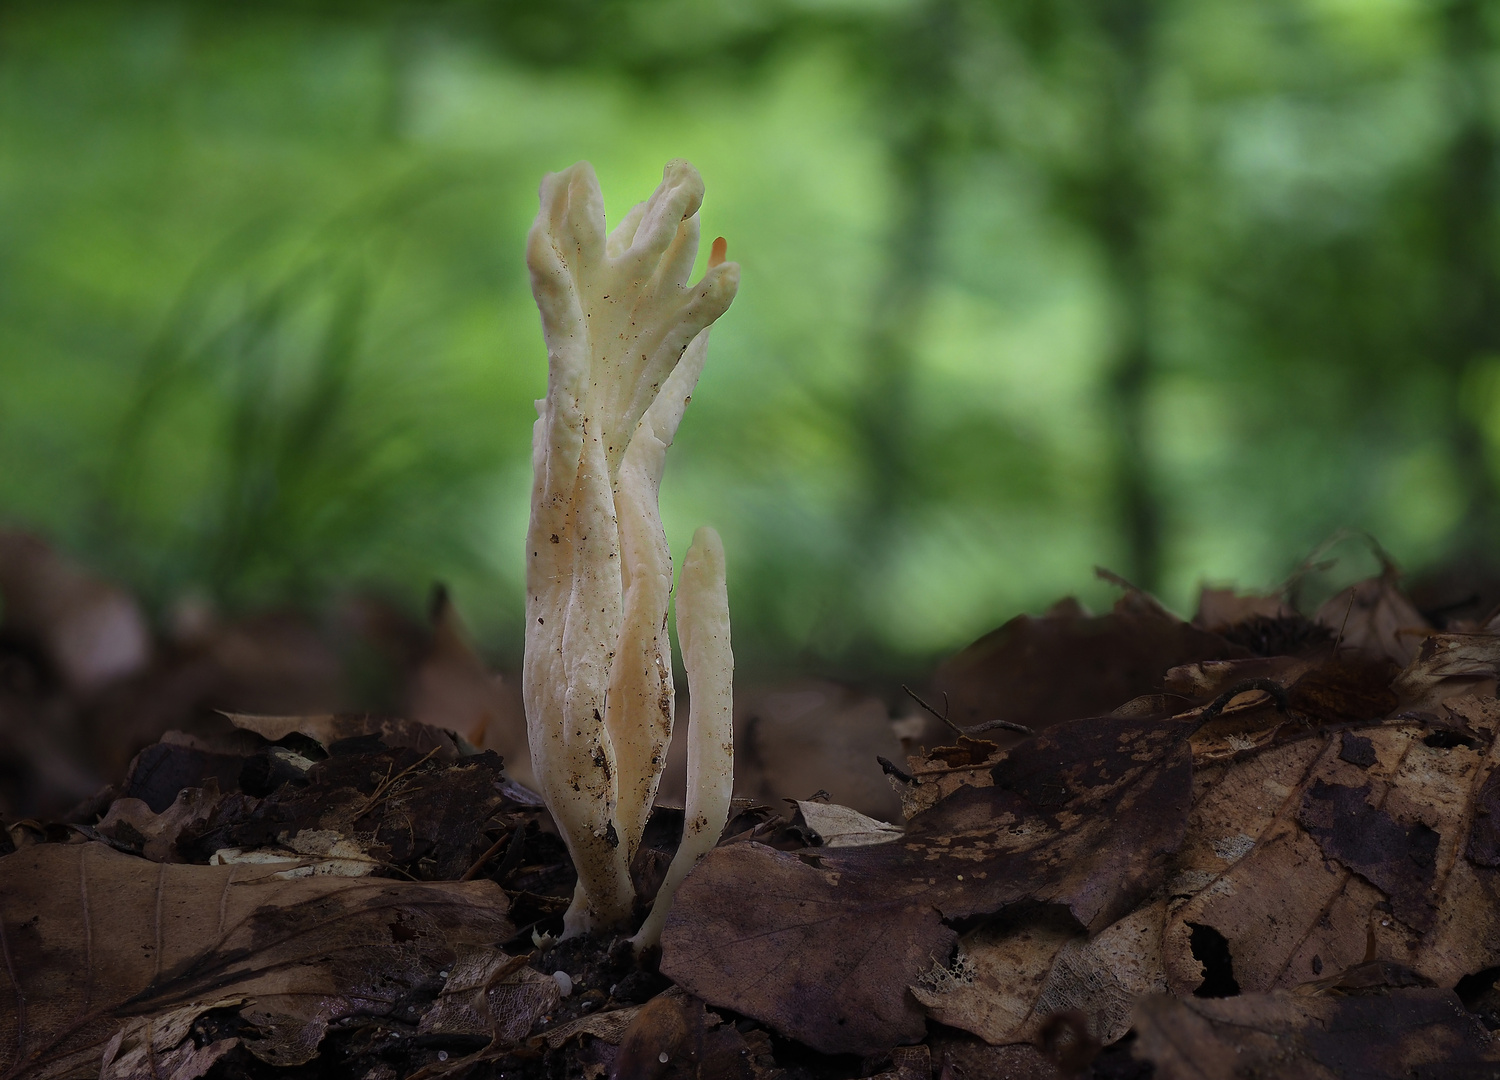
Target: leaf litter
[(94, 948), (1257, 843)]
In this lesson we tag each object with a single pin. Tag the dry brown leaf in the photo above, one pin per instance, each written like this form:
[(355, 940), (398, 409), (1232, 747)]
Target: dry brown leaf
[(1307, 851), (823, 955), (1347, 686), (665, 1038), (1219, 609), (1334, 686), (993, 983), (158, 1047), (159, 773), (326, 729), (609, 1026), (1374, 617), (1314, 855), (1009, 978), (908, 1063), (488, 993), (797, 738), (962, 1057), (1079, 817), (1390, 1036), (1061, 666), (132, 825), (383, 807), (1449, 665), (1207, 679), (453, 689), (96, 943), (672, 1037), (941, 771)]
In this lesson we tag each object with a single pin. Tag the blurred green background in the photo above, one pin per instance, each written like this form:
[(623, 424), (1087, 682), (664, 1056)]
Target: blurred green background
[(1028, 285)]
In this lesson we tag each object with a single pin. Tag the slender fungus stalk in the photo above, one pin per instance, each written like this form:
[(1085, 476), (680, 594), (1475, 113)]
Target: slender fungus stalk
[(703, 630), (626, 340)]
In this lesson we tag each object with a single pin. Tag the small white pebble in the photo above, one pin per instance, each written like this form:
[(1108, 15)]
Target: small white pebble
[(662, 1057), (442, 1055), (442, 974), (564, 982)]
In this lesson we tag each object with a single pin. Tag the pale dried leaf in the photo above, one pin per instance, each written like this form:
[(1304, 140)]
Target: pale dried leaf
[(842, 826)]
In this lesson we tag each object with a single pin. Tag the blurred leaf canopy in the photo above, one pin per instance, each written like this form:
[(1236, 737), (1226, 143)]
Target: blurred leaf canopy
[(1176, 287)]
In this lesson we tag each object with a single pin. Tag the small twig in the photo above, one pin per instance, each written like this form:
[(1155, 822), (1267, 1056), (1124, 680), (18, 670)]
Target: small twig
[(890, 768), (1342, 625), (988, 725), (943, 716), (494, 849), (1313, 562), (513, 854), (383, 789), (1103, 573)]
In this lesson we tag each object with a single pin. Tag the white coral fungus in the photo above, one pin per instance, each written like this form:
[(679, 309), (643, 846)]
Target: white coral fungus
[(626, 340)]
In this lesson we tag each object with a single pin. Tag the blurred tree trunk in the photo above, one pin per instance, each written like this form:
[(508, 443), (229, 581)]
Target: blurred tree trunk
[(1120, 209), (915, 62), (1468, 317)]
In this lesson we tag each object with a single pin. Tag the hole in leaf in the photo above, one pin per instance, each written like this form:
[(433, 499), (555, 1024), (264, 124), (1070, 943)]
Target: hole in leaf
[(1447, 740), (1481, 996), (1211, 949), (401, 933)]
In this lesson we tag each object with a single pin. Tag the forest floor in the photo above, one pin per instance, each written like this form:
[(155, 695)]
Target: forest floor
[(1265, 842)]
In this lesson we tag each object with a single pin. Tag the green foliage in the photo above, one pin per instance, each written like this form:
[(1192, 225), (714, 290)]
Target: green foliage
[(1178, 288)]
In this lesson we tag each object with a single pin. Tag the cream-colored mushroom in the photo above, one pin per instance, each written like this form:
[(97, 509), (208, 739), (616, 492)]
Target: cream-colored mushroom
[(626, 339), (703, 631)]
